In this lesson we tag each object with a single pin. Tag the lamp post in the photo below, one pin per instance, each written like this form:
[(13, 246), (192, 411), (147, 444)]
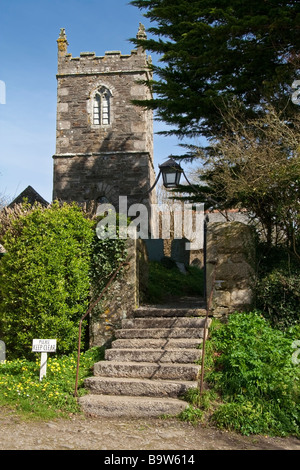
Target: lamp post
[(171, 173)]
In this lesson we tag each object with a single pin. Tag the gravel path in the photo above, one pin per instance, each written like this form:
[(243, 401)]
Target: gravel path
[(89, 433)]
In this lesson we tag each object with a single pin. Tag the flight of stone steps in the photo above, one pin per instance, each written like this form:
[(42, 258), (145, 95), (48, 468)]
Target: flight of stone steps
[(154, 360)]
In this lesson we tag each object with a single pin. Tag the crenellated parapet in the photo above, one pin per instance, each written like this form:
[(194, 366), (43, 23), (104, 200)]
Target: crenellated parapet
[(111, 61)]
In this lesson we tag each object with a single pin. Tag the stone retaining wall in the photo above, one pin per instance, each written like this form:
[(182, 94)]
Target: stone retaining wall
[(122, 298), (230, 260)]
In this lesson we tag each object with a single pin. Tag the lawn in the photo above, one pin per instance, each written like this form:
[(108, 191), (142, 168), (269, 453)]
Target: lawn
[(165, 282)]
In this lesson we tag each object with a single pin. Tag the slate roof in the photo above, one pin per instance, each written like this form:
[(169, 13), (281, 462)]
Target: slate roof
[(31, 195)]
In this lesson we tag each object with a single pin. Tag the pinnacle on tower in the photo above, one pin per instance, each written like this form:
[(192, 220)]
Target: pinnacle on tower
[(62, 42), (141, 34)]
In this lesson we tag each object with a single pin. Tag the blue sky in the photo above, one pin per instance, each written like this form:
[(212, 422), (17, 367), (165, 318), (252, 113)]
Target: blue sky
[(28, 65)]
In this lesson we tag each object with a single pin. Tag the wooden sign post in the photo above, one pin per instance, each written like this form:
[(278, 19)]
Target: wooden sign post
[(43, 346)]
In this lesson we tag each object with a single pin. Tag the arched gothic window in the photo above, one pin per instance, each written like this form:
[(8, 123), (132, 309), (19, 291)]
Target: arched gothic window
[(101, 107)]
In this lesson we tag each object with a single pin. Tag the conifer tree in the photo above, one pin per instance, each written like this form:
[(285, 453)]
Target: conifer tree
[(212, 52)]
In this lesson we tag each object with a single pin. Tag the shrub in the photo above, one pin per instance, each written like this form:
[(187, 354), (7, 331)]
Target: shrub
[(256, 377), (54, 264), (106, 256), (45, 277), (278, 288), (279, 298)]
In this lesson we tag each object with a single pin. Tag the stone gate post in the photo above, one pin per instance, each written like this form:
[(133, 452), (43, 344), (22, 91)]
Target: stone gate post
[(230, 266)]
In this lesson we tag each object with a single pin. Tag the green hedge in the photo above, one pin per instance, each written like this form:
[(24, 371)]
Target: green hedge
[(45, 277), (53, 260)]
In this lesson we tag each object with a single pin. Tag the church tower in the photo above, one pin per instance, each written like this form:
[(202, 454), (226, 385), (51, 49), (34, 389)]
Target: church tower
[(104, 143)]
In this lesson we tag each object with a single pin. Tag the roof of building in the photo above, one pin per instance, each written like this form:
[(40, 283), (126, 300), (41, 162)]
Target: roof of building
[(31, 196)]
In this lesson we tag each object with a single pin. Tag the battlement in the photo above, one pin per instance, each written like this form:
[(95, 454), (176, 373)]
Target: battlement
[(90, 63)]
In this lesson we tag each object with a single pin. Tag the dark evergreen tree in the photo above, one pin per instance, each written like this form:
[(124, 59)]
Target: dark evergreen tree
[(214, 52)]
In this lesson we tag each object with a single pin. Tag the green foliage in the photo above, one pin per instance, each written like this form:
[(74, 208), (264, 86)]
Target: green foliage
[(210, 54), (21, 388), (54, 264), (45, 278), (191, 414), (278, 287), (200, 404), (106, 256), (279, 298), (255, 166), (255, 377), (169, 281), (222, 69)]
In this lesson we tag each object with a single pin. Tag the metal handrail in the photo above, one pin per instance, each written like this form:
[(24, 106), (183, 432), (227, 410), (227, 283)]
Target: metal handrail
[(92, 305)]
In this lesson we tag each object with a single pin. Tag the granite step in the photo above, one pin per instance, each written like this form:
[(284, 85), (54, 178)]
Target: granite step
[(161, 311), (148, 370), (153, 355), (157, 343), (153, 361), (158, 333), (138, 387), (128, 406), (164, 322)]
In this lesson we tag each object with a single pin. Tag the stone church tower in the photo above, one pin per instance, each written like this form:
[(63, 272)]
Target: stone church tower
[(104, 143)]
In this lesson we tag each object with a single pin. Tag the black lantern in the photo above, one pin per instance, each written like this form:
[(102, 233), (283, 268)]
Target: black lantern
[(171, 173)]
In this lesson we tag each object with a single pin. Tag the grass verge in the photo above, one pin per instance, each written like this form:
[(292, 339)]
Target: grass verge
[(52, 397), (165, 282)]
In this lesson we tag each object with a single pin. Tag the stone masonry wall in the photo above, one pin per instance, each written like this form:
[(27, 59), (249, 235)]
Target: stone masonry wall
[(122, 298), (230, 260), (93, 161), (85, 179)]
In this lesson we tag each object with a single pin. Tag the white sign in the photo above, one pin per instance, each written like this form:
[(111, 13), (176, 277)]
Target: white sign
[(44, 345)]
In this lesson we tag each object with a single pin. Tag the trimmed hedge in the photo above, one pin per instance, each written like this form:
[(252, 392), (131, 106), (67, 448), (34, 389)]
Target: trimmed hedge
[(54, 261)]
